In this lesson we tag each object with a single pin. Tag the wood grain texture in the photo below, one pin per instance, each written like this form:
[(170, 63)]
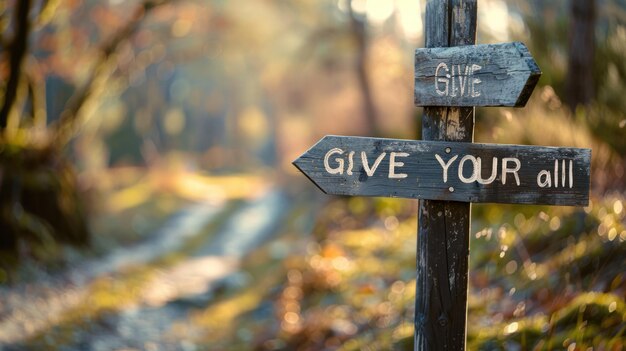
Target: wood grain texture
[(475, 75), (423, 173), (443, 227)]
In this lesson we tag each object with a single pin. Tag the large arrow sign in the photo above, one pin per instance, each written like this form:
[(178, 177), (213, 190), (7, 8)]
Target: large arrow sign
[(476, 75), (448, 171)]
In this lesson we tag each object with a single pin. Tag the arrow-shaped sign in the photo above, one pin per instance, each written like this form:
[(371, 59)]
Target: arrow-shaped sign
[(475, 75), (448, 171)]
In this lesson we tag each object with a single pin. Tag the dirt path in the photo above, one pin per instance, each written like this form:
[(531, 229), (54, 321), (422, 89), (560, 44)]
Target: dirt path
[(169, 295)]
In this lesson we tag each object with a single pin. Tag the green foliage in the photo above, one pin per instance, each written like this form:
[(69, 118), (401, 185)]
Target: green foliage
[(547, 34), (549, 279), (544, 278)]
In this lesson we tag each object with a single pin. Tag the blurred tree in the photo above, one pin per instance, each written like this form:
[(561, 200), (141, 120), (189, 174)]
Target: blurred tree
[(16, 51), (39, 202), (358, 27), (107, 50), (580, 47), (579, 82)]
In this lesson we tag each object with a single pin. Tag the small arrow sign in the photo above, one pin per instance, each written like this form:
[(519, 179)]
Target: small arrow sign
[(449, 171), (475, 75)]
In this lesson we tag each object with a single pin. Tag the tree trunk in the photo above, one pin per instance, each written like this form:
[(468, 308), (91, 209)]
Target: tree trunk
[(16, 54), (579, 83), (359, 33)]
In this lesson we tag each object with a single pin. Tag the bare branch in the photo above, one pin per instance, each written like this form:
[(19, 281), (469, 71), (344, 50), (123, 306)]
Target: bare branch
[(107, 50), (45, 12), (16, 54), (37, 91)]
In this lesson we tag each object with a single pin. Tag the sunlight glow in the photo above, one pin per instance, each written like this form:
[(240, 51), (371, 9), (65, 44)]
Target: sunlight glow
[(511, 328), (494, 19), (408, 12), (410, 18), (359, 6), (378, 11)]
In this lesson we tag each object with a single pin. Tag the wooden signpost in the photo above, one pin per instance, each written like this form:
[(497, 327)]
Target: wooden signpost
[(448, 171), (475, 75), (445, 170)]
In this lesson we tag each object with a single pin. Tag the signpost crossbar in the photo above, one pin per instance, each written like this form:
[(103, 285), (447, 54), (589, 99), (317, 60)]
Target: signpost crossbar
[(450, 171)]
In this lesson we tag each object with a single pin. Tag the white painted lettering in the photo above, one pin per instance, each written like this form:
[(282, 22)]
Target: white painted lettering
[(456, 80), (556, 173), (453, 89), (474, 175), (546, 181), (506, 169), (544, 178), (494, 171), (463, 79), (475, 81), (445, 166), (393, 164), (339, 168), (438, 80), (350, 162), (368, 170), (563, 173)]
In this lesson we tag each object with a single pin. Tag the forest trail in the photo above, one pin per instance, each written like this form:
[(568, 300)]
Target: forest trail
[(30, 311)]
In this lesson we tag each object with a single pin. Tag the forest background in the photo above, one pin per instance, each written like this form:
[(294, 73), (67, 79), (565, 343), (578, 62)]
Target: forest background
[(148, 201)]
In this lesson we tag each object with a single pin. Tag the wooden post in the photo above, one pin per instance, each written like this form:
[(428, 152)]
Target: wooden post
[(443, 233)]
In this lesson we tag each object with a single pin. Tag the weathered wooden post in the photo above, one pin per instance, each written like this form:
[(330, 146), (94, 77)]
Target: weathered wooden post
[(443, 226), (445, 170)]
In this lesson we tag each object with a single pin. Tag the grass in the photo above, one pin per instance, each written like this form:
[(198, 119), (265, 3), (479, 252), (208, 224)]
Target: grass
[(350, 286)]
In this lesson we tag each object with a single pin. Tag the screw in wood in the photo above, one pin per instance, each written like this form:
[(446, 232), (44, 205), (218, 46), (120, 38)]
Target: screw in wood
[(451, 189)]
